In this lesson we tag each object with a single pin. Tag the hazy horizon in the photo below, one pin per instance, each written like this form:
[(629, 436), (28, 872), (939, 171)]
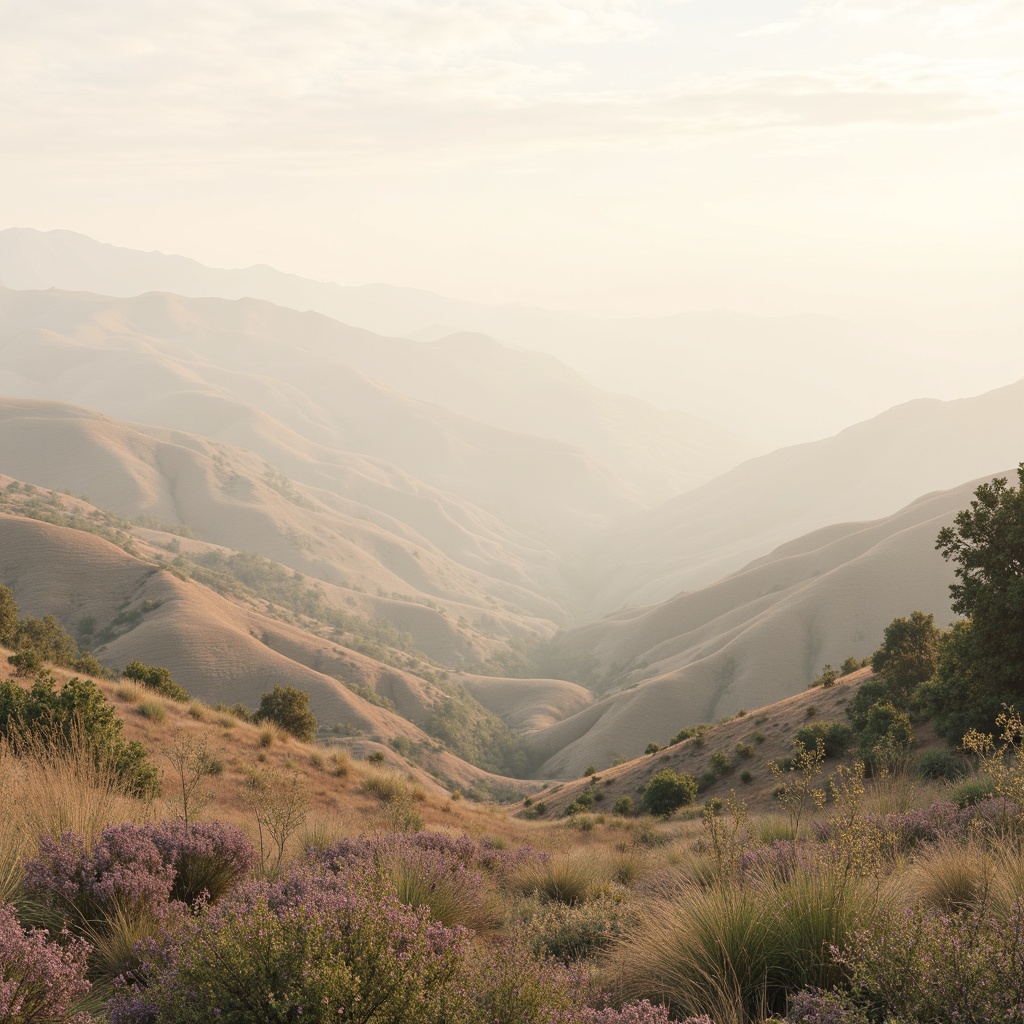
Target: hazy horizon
[(613, 157)]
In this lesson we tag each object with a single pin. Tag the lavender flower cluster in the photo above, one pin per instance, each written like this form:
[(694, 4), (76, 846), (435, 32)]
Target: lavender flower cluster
[(40, 980), (323, 945), (140, 869)]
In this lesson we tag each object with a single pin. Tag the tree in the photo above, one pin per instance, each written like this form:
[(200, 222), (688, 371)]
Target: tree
[(983, 662), (289, 708), (907, 655), (8, 617), (668, 790), (48, 638)]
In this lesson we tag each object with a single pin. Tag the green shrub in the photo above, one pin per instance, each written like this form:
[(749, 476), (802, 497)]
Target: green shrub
[(719, 763), (48, 638), (78, 712), (623, 806), (835, 736), (288, 707), (667, 791), (158, 679), (25, 663), (940, 764), (973, 791)]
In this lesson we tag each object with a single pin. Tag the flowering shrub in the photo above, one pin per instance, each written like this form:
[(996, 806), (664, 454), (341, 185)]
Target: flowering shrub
[(208, 857), (816, 1007), (452, 875), (40, 981), (938, 968), (123, 872), (139, 868), (312, 946)]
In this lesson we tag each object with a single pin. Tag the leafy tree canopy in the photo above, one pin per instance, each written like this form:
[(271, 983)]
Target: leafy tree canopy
[(981, 663), (288, 707)]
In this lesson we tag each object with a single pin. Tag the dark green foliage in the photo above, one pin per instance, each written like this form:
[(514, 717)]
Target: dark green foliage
[(720, 763), (623, 806), (696, 731), (582, 803), (849, 665), (887, 733), (88, 665), (667, 791), (288, 707), (868, 694), (746, 776), (835, 737), (907, 655), (25, 663), (158, 679), (476, 735), (940, 764), (652, 748), (827, 679), (76, 712), (960, 696), (986, 542), (8, 617), (48, 638), (972, 791)]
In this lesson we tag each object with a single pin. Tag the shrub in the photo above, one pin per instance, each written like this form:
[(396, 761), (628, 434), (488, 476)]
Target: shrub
[(47, 638), (140, 869), (973, 791), (720, 763), (152, 710), (940, 764), (835, 737), (40, 981), (289, 708), (887, 735), (574, 932), (25, 663), (921, 966), (667, 791), (8, 617), (158, 679), (78, 712), (623, 806), (314, 947)]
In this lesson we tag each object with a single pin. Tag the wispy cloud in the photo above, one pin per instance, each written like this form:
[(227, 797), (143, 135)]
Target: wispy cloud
[(318, 85), (963, 17)]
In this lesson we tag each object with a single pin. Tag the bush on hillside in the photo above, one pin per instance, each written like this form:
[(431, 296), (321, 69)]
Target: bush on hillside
[(835, 737), (77, 712), (668, 791), (47, 638), (8, 617), (288, 707), (158, 679)]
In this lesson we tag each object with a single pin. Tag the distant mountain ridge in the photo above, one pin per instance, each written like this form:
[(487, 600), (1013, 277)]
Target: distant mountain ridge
[(863, 472), (775, 379)]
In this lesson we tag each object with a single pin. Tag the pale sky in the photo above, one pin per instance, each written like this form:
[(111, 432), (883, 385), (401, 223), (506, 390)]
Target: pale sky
[(609, 156)]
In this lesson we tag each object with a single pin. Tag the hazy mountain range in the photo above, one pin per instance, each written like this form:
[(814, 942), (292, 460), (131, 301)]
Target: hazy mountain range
[(458, 511), (775, 379)]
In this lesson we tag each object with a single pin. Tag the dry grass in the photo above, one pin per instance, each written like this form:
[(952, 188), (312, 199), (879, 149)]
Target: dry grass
[(128, 693), (568, 877), (952, 877)]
